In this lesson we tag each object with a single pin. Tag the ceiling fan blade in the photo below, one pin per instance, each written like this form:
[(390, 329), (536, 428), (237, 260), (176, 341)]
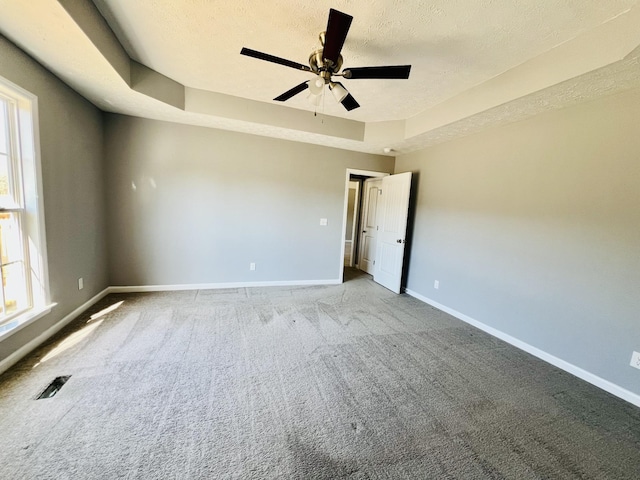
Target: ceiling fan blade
[(294, 91), (337, 29), (399, 72), (350, 103), (272, 58)]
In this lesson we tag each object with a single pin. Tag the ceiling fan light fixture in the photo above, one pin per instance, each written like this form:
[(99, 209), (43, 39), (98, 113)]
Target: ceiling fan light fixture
[(338, 91), (316, 85), (314, 99)]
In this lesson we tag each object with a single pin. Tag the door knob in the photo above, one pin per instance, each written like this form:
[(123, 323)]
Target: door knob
[(364, 231), (400, 240)]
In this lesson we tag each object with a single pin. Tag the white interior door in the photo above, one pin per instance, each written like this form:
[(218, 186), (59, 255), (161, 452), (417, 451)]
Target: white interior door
[(393, 212), (369, 225)]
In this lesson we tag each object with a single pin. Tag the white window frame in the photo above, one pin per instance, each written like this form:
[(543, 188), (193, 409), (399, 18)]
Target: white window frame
[(27, 151)]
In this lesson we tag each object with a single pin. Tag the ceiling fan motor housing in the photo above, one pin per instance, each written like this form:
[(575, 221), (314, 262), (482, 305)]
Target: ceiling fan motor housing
[(324, 68)]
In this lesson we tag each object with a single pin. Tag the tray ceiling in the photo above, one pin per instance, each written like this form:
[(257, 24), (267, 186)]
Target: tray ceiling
[(474, 63)]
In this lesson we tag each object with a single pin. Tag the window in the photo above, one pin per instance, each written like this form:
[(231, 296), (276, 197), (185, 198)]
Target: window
[(23, 289)]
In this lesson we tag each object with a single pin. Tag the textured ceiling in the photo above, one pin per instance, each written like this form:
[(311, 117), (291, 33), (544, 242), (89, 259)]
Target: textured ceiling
[(475, 63), (452, 45)]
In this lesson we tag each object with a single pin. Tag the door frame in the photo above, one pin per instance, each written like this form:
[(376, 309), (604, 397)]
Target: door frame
[(356, 220), (349, 172)]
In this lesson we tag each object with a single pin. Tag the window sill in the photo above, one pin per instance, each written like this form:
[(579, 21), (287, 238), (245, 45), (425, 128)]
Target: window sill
[(21, 321)]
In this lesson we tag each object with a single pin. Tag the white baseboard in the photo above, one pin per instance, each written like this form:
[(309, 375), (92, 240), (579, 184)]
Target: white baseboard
[(216, 286), (593, 379), (23, 351)]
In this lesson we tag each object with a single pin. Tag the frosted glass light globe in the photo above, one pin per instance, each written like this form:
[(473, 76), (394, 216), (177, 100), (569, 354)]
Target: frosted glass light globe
[(316, 85)]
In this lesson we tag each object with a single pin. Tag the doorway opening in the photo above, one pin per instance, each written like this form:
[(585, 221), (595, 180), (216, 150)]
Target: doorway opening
[(355, 199), (374, 227)]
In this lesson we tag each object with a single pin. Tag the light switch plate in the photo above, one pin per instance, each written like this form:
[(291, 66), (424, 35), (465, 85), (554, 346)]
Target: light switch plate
[(323, 222), (635, 360)]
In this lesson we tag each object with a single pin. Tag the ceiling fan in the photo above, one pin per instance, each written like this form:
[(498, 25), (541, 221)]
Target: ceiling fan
[(326, 63)]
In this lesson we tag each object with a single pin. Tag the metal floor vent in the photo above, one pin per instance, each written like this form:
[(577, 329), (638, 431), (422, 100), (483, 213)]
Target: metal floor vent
[(54, 387)]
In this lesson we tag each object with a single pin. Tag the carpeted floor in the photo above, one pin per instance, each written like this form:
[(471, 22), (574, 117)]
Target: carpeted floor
[(347, 381)]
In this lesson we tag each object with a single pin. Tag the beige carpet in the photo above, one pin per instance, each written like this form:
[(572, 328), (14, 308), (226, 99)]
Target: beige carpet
[(347, 381)]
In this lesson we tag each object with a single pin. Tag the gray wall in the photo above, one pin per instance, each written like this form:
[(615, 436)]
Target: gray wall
[(71, 135), (207, 202), (534, 229)]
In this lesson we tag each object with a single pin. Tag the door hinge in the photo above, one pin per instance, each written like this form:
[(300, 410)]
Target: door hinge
[(380, 192), (374, 262)]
